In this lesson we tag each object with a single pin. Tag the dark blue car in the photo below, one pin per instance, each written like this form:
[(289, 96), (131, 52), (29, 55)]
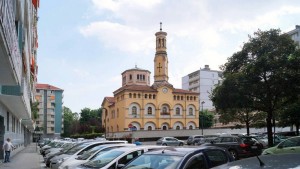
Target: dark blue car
[(181, 158)]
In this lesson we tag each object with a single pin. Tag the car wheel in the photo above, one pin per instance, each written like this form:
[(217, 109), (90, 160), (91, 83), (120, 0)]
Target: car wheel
[(234, 154), (180, 144), (164, 144)]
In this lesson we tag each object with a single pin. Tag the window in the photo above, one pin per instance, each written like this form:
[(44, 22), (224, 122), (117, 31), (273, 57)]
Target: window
[(164, 128), (130, 95), (146, 96), (149, 128), (190, 127), (138, 77), (134, 110), (177, 127), (130, 77), (165, 110), (154, 96), (216, 157), (191, 111), (149, 110), (7, 121), (196, 162), (181, 97), (177, 111), (134, 95), (174, 97), (150, 96), (178, 97)]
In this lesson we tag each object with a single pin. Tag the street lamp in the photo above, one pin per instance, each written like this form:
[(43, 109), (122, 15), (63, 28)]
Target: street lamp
[(105, 121), (202, 116)]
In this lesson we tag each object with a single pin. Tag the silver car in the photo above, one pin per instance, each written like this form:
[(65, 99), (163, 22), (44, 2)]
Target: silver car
[(169, 141)]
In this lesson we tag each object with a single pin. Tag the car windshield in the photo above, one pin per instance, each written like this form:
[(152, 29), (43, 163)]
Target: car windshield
[(90, 152), (103, 159), (154, 161), (76, 148)]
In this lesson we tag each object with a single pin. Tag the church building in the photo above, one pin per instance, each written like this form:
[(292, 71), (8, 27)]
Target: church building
[(140, 105)]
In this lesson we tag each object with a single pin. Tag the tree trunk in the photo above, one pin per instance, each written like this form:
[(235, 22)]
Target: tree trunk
[(247, 126), (269, 129), (297, 129)]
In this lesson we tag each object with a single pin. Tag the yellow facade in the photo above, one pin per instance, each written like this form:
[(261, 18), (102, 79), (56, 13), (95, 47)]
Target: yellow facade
[(138, 106)]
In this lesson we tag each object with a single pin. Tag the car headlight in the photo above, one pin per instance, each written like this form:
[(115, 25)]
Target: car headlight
[(62, 160)]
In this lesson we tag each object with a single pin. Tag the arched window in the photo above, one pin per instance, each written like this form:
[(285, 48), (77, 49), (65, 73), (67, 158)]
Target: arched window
[(178, 97), (195, 98), (143, 77), (150, 96), (138, 76), (150, 110), (134, 110), (146, 96), (187, 97), (181, 97), (154, 96), (139, 95), (177, 111), (191, 111), (191, 97), (165, 110), (190, 127), (130, 77), (149, 128), (134, 95), (174, 97), (164, 128), (177, 127), (130, 95)]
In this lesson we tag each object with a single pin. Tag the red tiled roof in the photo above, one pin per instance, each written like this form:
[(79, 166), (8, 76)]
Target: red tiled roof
[(110, 100), (47, 86), (136, 88)]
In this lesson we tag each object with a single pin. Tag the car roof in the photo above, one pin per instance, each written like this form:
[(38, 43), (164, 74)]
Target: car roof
[(269, 161), (182, 151)]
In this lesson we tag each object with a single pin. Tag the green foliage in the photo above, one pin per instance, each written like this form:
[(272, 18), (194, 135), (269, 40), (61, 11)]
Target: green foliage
[(260, 77), (34, 109), (207, 118)]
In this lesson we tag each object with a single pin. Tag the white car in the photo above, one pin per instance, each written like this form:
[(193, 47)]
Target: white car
[(78, 150), (116, 158), (73, 162)]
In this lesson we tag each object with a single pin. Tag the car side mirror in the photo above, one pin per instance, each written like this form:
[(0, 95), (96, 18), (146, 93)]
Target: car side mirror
[(119, 166)]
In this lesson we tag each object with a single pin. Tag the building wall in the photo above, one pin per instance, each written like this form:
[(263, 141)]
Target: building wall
[(58, 112), (120, 115)]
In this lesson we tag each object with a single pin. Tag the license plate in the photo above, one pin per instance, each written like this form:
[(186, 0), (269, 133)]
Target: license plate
[(254, 147)]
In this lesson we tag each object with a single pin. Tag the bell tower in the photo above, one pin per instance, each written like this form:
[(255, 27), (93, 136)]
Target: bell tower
[(161, 57)]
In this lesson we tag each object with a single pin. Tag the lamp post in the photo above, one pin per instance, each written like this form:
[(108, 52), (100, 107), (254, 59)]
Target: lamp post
[(105, 121), (202, 116)]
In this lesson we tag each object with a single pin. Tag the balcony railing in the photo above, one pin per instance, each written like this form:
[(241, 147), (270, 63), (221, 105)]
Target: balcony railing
[(10, 36), (165, 113)]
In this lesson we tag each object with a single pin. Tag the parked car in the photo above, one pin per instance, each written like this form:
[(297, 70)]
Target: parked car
[(73, 162), (182, 158), (79, 150), (279, 161), (169, 141), (277, 139), (195, 139), (239, 147), (57, 151), (116, 158), (290, 145)]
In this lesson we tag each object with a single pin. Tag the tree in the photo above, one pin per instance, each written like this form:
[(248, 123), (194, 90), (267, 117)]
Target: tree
[(34, 109), (263, 71), (206, 118), (69, 121)]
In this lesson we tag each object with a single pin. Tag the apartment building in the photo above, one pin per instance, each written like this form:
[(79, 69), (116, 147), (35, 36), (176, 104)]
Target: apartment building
[(202, 81), (50, 115), (18, 70), (295, 34)]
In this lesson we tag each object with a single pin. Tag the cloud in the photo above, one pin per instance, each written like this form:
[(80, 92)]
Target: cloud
[(116, 35)]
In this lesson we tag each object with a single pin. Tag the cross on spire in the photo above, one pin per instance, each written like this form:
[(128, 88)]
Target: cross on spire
[(159, 67)]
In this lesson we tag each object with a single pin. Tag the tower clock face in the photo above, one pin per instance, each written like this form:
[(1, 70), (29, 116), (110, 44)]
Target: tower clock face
[(165, 90)]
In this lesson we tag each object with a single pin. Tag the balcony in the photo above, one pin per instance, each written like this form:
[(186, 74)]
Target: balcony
[(165, 115), (15, 89)]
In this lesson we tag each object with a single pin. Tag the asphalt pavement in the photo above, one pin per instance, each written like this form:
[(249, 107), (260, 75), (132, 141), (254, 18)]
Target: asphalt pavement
[(28, 158)]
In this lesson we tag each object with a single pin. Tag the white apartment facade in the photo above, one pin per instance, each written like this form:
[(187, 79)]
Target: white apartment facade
[(202, 81), (295, 34), (18, 70)]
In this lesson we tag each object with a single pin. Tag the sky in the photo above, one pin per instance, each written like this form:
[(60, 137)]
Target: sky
[(85, 45)]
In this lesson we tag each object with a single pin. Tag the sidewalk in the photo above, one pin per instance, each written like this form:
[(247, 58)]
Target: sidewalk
[(29, 158)]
